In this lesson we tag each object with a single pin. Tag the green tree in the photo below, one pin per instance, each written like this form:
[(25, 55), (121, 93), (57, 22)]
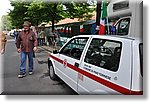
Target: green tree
[(19, 12), (80, 10), (39, 11), (36, 12), (6, 22)]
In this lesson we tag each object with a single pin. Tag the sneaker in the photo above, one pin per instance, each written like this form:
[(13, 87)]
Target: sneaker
[(21, 75), (30, 73)]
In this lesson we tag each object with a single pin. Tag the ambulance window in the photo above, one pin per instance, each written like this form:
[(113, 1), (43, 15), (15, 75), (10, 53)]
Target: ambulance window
[(141, 58), (122, 28), (74, 48), (104, 54)]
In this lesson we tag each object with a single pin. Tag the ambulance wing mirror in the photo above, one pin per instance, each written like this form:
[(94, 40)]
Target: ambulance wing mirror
[(55, 52)]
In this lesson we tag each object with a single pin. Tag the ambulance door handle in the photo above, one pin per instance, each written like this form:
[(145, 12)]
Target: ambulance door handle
[(76, 64)]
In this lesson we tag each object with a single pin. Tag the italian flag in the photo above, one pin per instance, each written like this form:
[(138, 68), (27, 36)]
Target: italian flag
[(63, 29), (81, 29), (103, 18), (68, 29)]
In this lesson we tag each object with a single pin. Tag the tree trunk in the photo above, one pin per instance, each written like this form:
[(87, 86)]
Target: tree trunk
[(98, 14), (37, 23), (53, 24), (54, 16)]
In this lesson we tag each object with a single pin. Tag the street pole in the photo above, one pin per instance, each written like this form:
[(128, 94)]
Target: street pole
[(98, 15)]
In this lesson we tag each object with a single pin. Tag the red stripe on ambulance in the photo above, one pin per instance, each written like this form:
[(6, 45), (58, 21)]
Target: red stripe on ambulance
[(100, 80)]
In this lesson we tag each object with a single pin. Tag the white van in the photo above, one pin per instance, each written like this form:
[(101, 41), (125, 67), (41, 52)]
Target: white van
[(94, 64)]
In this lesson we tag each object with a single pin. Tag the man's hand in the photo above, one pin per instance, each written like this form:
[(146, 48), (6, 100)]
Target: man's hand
[(34, 49), (19, 50)]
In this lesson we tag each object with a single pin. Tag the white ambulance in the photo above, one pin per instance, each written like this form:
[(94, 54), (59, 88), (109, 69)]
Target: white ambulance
[(107, 64), (130, 17), (94, 64)]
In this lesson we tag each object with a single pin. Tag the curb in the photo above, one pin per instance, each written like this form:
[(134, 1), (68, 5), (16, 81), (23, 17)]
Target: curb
[(40, 47), (45, 50)]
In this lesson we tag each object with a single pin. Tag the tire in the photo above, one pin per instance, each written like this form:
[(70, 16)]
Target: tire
[(52, 74)]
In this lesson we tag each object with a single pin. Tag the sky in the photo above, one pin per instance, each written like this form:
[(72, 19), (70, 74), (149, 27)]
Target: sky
[(4, 7)]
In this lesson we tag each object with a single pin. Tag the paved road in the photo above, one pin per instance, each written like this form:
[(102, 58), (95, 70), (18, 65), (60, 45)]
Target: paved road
[(38, 83)]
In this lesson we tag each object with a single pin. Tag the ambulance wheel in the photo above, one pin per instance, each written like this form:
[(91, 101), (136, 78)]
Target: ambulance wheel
[(52, 74)]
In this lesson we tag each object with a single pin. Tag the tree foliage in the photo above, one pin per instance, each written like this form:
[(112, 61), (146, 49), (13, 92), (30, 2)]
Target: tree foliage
[(6, 23), (79, 10), (39, 11), (18, 13)]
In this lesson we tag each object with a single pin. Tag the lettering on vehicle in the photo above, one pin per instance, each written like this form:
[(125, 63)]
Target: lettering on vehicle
[(88, 68), (87, 65)]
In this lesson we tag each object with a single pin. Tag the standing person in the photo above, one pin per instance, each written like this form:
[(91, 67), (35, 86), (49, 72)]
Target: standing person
[(56, 39), (16, 33), (42, 37), (26, 44), (53, 38), (35, 32), (38, 38), (50, 38), (3, 42)]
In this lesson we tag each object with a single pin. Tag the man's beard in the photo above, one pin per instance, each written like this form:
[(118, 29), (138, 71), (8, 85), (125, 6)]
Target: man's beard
[(26, 30)]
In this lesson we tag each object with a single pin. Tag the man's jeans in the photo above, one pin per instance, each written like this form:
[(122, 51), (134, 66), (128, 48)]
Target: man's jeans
[(23, 58)]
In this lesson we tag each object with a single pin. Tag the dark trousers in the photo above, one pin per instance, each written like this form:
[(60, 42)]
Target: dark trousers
[(42, 41)]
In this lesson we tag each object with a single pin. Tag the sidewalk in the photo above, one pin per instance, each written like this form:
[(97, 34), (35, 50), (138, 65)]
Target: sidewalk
[(48, 48), (42, 53)]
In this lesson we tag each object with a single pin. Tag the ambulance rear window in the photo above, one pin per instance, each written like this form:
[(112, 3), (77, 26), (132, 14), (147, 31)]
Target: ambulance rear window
[(141, 57), (104, 54)]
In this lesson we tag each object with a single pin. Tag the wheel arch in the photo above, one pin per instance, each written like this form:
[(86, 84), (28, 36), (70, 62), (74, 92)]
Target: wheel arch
[(51, 62)]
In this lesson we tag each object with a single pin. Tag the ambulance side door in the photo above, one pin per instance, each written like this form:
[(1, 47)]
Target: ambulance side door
[(70, 55), (106, 67)]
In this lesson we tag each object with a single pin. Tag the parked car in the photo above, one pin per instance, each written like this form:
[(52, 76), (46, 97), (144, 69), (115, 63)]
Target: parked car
[(11, 33), (94, 64)]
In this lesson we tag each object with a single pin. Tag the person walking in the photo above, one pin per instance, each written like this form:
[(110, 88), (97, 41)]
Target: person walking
[(35, 32), (56, 40), (42, 37), (26, 45), (16, 33), (3, 42)]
